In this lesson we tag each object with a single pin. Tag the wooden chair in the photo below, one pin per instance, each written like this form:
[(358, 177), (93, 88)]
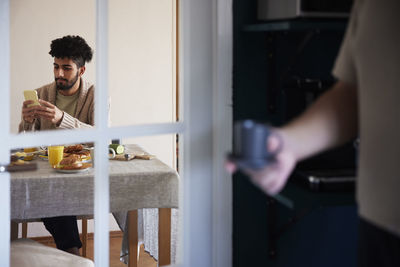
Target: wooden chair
[(29, 253), (84, 235)]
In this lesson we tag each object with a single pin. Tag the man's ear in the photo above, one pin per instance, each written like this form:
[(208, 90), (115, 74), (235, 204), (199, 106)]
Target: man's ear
[(82, 70)]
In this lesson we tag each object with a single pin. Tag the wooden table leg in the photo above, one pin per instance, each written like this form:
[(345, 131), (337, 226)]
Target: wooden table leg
[(164, 236), (14, 230), (24, 230), (133, 238), (84, 237)]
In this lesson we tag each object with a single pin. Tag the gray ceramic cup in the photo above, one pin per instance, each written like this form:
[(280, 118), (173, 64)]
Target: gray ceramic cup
[(250, 145)]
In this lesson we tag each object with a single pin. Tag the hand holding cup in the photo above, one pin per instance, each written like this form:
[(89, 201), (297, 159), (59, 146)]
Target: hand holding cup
[(260, 152)]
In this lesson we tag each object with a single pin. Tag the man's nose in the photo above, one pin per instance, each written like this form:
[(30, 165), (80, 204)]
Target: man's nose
[(59, 73)]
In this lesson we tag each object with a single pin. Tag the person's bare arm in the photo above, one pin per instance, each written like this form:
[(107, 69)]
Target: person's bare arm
[(330, 121)]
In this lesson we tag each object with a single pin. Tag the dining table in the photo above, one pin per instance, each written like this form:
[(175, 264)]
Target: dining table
[(138, 187)]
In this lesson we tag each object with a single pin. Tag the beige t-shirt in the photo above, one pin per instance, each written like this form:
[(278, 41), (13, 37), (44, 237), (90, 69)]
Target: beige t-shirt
[(370, 58)]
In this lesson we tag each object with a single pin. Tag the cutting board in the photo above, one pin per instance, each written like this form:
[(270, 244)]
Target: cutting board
[(126, 157), (22, 167)]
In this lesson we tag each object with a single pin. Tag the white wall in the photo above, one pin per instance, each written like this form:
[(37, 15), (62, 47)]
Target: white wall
[(142, 80), (141, 61)]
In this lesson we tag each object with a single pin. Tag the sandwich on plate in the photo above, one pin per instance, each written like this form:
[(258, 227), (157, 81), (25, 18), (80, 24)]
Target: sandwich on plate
[(71, 163)]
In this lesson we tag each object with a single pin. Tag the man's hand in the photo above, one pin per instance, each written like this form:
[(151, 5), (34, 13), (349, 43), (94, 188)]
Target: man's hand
[(49, 112), (272, 178), (28, 114)]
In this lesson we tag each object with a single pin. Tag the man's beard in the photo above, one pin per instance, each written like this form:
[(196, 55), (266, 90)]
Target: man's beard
[(68, 85)]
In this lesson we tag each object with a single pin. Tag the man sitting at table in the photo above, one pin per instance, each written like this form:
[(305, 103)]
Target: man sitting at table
[(66, 103)]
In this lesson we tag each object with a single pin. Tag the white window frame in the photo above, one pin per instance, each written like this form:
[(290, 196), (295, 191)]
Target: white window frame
[(205, 75)]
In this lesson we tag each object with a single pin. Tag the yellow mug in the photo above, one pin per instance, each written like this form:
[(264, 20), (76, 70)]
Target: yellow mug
[(56, 154)]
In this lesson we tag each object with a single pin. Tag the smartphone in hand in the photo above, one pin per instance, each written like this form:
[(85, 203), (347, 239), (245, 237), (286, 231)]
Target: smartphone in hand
[(32, 95)]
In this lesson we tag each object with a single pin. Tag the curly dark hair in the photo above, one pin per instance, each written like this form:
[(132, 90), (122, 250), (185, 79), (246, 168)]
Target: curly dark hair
[(73, 47)]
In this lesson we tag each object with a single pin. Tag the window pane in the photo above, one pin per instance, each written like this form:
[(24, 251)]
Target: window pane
[(33, 27), (144, 176), (142, 55), (142, 58), (142, 83)]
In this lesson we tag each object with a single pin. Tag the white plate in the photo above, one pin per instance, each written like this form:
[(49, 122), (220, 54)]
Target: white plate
[(72, 171), (43, 157), (87, 160)]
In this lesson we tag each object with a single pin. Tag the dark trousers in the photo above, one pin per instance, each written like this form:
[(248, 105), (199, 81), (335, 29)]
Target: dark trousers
[(64, 230), (377, 247)]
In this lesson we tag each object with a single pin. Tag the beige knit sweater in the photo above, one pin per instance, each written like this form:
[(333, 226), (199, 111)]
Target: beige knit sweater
[(84, 113)]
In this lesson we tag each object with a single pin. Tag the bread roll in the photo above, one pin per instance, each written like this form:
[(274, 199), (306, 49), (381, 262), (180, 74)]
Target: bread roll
[(70, 163), (73, 148)]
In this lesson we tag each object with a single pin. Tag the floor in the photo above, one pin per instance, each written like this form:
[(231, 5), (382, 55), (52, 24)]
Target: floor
[(145, 260)]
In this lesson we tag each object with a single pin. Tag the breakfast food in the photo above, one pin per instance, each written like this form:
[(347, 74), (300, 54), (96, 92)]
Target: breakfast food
[(20, 154), (82, 154), (119, 149), (24, 155), (30, 149), (71, 163), (77, 151), (73, 148), (15, 160)]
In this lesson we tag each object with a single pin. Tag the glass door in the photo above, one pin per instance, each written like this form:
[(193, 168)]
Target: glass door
[(203, 128)]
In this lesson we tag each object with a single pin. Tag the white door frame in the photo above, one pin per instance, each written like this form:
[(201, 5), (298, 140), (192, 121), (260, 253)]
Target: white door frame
[(222, 132), (207, 71), (4, 131), (206, 78)]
